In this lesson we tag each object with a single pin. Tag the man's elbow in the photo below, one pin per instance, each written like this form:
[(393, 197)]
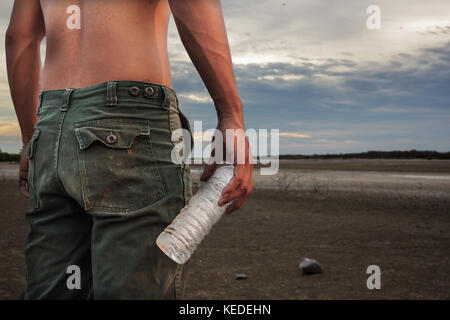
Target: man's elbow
[(15, 35)]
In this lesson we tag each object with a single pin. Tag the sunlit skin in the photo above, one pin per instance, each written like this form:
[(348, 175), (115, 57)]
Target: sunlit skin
[(122, 40)]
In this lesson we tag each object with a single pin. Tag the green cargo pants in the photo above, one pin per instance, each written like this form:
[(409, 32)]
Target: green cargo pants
[(102, 187)]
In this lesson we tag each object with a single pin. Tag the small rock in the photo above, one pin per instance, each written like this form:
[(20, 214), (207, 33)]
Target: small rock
[(310, 266), (240, 276)]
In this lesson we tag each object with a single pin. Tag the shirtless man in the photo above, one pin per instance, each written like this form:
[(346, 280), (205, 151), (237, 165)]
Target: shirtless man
[(96, 126)]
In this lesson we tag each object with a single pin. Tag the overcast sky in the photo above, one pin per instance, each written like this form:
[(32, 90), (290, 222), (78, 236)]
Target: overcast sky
[(315, 71)]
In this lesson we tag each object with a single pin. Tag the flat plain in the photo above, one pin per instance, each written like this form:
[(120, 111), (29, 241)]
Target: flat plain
[(346, 214)]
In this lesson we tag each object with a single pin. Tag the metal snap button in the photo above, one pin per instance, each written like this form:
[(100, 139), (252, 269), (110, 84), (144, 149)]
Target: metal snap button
[(111, 138), (149, 91), (134, 91)]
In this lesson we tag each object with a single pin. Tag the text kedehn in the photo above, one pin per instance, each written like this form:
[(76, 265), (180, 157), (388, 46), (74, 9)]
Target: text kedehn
[(246, 309), (227, 309)]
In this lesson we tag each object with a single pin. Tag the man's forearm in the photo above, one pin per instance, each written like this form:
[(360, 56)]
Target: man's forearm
[(24, 68), (202, 31)]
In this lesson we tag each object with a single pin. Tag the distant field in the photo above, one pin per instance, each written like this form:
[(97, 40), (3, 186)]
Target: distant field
[(10, 169), (418, 165), (347, 214)]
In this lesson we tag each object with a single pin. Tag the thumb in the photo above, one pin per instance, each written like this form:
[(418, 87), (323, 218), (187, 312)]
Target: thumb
[(208, 172), (24, 190)]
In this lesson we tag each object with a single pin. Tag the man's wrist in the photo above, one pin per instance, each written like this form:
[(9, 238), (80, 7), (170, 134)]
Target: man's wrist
[(228, 103), (230, 111), (232, 120)]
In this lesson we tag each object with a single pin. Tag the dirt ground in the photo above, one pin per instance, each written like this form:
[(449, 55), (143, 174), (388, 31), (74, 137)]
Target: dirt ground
[(344, 218)]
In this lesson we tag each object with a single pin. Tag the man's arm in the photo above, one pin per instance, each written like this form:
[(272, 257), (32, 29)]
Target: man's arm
[(22, 43), (23, 38), (202, 30)]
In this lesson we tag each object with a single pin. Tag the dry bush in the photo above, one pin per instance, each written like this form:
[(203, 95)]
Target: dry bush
[(321, 188), (286, 181)]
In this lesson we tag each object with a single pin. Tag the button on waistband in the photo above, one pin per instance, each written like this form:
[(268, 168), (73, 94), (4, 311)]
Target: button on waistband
[(149, 91), (134, 91)]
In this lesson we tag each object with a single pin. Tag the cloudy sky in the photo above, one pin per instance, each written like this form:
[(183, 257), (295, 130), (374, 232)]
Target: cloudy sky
[(313, 70)]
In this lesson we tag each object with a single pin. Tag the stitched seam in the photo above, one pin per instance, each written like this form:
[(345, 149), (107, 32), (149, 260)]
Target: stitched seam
[(131, 207), (177, 282), (81, 167), (154, 160), (106, 120), (85, 145), (34, 202), (57, 144)]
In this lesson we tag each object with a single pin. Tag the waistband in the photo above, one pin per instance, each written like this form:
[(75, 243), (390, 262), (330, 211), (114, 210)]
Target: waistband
[(111, 93)]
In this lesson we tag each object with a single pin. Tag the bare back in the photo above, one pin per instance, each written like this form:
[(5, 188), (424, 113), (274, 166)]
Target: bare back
[(116, 40)]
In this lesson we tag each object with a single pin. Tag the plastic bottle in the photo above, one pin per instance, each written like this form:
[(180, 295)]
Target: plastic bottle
[(179, 240)]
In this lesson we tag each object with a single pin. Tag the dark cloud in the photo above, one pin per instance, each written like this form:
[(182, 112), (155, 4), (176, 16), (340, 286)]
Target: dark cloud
[(409, 101), (436, 30)]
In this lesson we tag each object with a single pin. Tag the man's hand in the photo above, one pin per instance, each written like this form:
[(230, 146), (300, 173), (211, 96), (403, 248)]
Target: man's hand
[(23, 172), (241, 185)]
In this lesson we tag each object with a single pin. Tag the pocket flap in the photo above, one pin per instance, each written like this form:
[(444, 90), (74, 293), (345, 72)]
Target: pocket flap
[(113, 134), (30, 149)]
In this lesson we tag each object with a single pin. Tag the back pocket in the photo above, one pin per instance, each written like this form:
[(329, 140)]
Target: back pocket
[(117, 165)]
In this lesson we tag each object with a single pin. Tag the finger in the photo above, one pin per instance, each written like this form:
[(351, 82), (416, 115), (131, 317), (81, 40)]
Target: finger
[(233, 195), (208, 172), (232, 185), (240, 180), (241, 174), (24, 191), (236, 204)]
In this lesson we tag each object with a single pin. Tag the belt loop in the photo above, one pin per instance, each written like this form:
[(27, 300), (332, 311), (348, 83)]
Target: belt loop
[(111, 94), (40, 97), (166, 97), (66, 99)]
